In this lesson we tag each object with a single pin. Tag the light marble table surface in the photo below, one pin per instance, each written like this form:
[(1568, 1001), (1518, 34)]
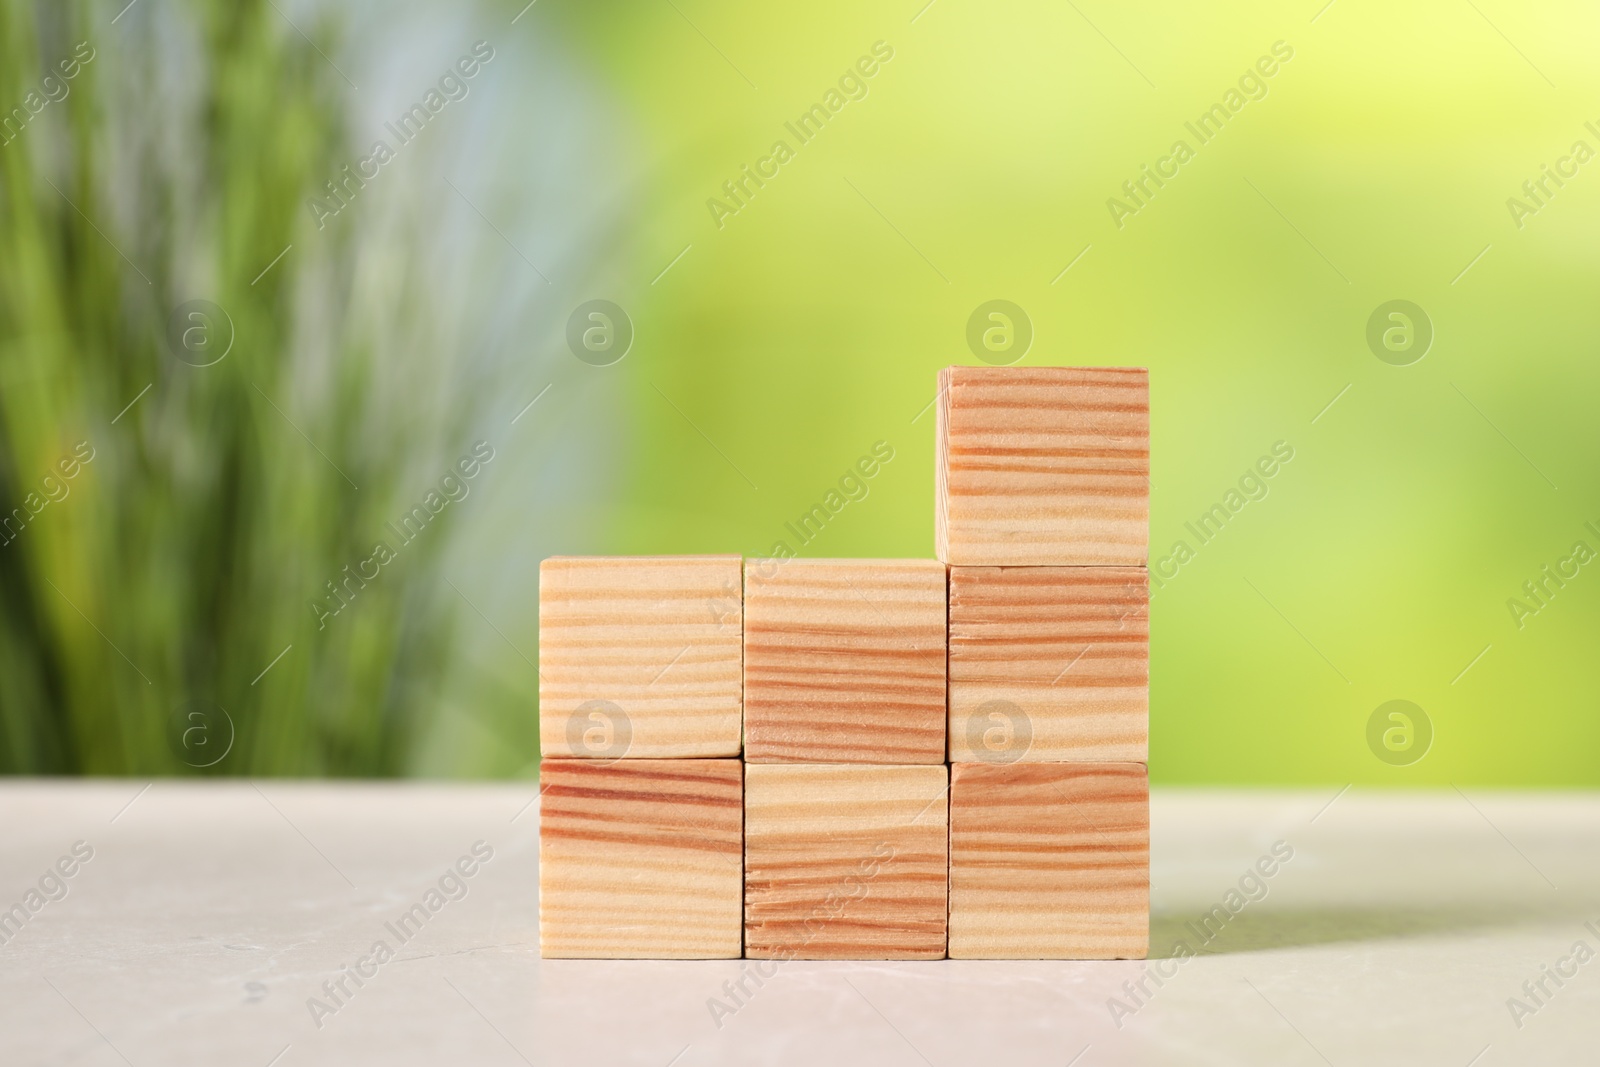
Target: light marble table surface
[(210, 915)]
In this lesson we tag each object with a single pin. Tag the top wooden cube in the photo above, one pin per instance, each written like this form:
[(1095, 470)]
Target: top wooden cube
[(640, 657), (1043, 466)]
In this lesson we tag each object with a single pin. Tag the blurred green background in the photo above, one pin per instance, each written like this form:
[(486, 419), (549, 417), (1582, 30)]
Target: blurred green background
[(174, 586)]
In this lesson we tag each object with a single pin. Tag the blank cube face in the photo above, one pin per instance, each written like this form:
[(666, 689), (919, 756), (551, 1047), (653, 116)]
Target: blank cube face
[(640, 859), (1049, 664), (639, 656), (1049, 861), (845, 862), (844, 661), (1043, 466)]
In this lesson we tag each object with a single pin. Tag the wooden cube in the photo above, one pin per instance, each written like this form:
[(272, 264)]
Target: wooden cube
[(1049, 861), (1043, 466), (1049, 664), (844, 661), (640, 859), (845, 862), (639, 657)]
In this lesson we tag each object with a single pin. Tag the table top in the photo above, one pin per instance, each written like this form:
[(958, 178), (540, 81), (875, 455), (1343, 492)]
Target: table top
[(197, 923)]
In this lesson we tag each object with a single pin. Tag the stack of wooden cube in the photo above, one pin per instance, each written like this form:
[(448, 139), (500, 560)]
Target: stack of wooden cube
[(872, 759)]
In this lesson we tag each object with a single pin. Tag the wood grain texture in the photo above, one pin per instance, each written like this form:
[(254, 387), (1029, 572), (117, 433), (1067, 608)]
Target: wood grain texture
[(1049, 861), (844, 661), (846, 862), (1043, 466), (640, 859), (1049, 664), (639, 656)]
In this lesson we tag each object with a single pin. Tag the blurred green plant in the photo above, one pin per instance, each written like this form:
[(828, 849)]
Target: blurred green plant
[(154, 606)]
